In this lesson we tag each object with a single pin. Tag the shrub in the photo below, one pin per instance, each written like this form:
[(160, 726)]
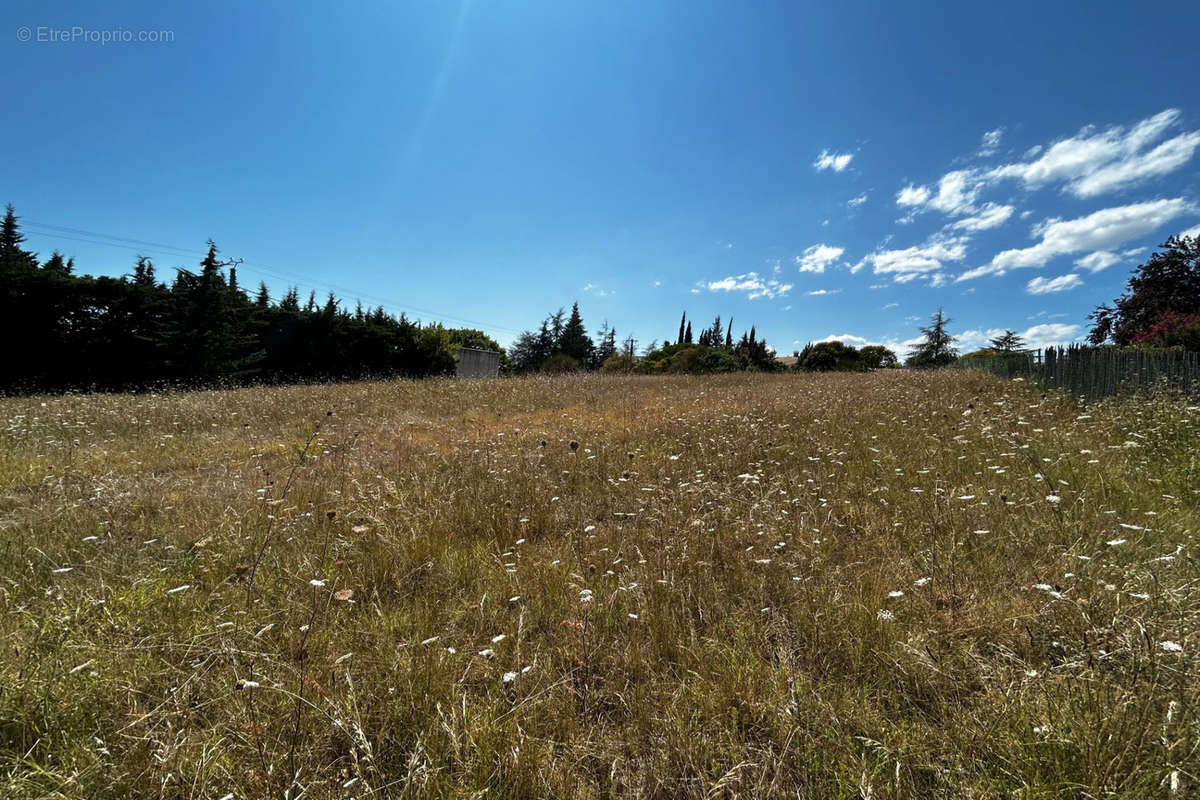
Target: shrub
[(559, 364), (832, 356), (1172, 330)]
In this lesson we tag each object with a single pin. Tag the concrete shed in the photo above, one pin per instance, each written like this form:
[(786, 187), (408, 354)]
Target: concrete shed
[(475, 363)]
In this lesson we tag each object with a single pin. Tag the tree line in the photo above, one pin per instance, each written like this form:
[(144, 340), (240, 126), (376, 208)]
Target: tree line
[(1159, 309), (561, 344), (64, 330)]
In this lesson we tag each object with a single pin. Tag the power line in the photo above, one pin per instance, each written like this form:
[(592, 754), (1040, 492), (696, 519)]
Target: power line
[(122, 242)]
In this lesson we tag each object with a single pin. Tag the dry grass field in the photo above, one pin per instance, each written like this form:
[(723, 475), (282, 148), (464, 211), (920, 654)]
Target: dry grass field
[(861, 586)]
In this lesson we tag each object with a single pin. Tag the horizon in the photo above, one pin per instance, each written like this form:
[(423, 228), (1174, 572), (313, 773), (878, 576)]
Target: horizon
[(817, 173)]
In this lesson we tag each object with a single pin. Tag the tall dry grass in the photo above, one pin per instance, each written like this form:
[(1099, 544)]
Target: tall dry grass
[(860, 586)]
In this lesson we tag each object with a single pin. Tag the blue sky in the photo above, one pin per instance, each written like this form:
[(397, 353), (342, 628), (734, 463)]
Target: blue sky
[(816, 169)]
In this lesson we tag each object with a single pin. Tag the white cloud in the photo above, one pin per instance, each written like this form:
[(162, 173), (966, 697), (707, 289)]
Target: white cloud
[(1101, 259), (818, 257), (752, 284), (991, 215), (1092, 163), (912, 262), (991, 141), (1048, 334), (597, 291), (1100, 230), (1062, 283), (912, 196), (821, 292), (834, 161), (1193, 232), (656, 284), (890, 305), (855, 202), (956, 194)]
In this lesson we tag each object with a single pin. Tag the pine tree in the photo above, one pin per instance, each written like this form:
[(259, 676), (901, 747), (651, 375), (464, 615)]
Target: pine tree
[(1008, 342), (143, 272), (13, 258), (936, 349), (687, 335), (575, 341), (556, 329), (291, 301), (729, 335), (682, 323), (606, 345), (56, 265)]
